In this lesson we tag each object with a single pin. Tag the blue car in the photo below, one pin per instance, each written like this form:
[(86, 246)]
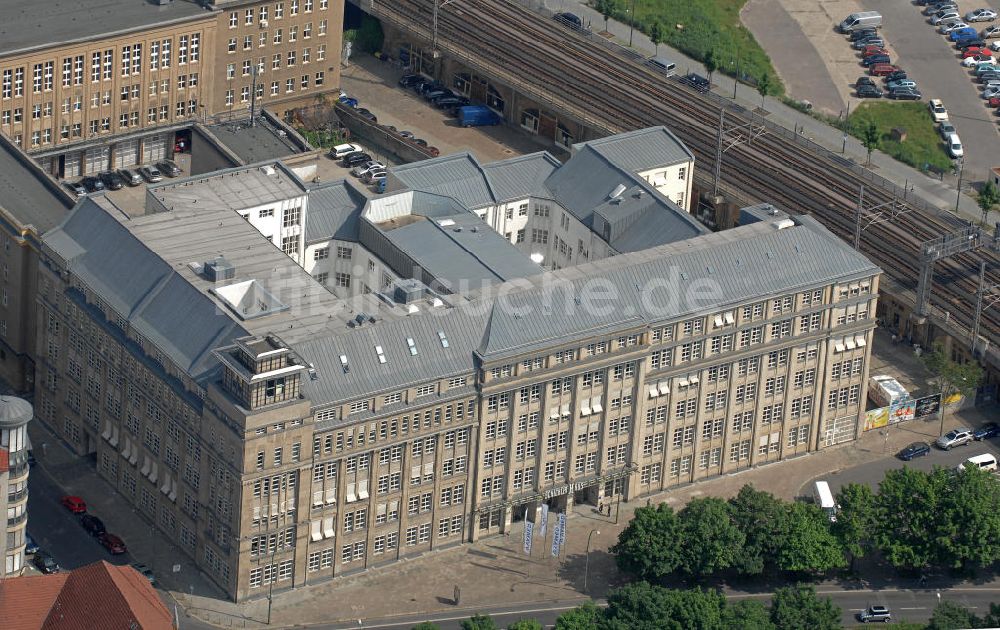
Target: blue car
[(350, 101), (962, 33), (988, 430), (916, 449)]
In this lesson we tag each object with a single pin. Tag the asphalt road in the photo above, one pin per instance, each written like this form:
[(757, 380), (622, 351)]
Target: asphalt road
[(934, 64)]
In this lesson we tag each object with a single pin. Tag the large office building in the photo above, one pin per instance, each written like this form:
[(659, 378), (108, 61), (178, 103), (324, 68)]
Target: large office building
[(86, 88), (284, 429)]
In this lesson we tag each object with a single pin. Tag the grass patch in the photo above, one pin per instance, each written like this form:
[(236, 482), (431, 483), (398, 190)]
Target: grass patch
[(707, 25), (322, 139), (922, 147)]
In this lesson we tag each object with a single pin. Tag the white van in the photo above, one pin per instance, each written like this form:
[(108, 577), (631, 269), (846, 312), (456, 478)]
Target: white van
[(954, 146), (863, 19), (985, 461), (662, 65), (824, 499)]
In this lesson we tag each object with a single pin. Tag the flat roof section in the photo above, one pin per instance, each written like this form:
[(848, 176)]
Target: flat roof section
[(26, 193), (232, 189), (30, 25), (261, 143)]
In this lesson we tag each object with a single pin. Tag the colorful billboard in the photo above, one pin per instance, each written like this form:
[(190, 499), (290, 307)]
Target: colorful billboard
[(876, 418), (902, 411), (928, 406)]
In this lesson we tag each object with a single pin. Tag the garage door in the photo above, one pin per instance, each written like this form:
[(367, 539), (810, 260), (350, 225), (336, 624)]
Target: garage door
[(127, 153), (96, 160), (154, 148), (72, 164), (45, 164)]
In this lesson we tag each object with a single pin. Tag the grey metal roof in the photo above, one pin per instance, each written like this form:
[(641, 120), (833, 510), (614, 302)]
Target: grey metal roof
[(521, 176), (29, 24), (702, 274), (260, 143), (334, 209), (230, 189), (461, 250), (458, 176), (640, 150), (14, 412), (642, 218), (139, 285), (27, 193)]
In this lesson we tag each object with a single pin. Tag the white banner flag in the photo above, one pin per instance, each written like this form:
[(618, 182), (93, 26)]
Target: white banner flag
[(543, 524), (528, 531)]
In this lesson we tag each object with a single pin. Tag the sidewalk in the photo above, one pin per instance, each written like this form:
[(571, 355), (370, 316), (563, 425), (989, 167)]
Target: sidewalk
[(940, 193)]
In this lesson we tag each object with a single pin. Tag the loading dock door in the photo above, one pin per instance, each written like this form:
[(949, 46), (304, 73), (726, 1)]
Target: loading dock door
[(127, 153), (154, 148), (72, 164), (96, 160)]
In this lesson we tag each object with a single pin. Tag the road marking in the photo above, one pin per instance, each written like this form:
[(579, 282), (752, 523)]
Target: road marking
[(914, 608)]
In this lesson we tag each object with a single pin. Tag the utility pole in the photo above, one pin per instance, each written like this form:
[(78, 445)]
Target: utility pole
[(631, 24), (857, 220), (729, 138), (961, 171), (253, 95)]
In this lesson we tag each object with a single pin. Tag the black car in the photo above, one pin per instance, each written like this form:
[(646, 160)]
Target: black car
[(354, 159), (916, 449), (965, 44), (427, 86), (989, 75), (92, 184), (875, 40), (430, 95), (869, 91), (45, 563), (408, 80), (905, 94), (168, 168), (988, 430), (569, 18), (93, 525), (862, 33), (895, 75), (76, 188), (112, 181), (864, 81), (697, 81), (871, 60), (450, 102), (364, 113)]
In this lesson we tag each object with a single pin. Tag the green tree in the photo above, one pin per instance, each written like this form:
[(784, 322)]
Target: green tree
[(712, 64), (764, 87), (989, 196), (808, 544), (992, 618), (710, 542), (761, 517), (950, 616), (656, 34), (969, 536), (747, 614), (479, 622), (951, 377), (606, 8), (856, 519), (870, 137), (908, 514), (583, 617), (796, 607), (648, 547), (526, 624), (641, 606), (426, 625)]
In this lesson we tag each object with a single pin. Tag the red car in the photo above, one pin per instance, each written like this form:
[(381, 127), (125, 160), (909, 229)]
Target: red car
[(112, 543), (867, 51), (975, 50), (882, 69), (76, 505), (994, 102)]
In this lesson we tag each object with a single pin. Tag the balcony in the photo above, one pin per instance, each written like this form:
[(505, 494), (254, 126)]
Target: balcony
[(20, 495), (17, 520)]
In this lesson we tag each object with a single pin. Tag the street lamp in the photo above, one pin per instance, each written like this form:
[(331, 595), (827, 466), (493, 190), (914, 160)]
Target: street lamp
[(586, 568), (961, 171), (631, 24)]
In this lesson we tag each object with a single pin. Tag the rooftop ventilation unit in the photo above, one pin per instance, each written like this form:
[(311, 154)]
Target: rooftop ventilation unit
[(784, 223), (619, 189), (219, 269)]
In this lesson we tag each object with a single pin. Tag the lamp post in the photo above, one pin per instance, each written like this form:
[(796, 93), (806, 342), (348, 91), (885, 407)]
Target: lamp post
[(736, 80), (961, 171), (586, 567), (631, 24)]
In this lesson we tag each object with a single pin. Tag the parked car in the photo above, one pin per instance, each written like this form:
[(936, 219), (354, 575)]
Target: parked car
[(962, 34), (973, 50), (449, 102), (893, 76), (169, 168), (911, 451), (350, 101), (428, 86), (111, 180), (986, 461), (938, 112), (994, 102), (861, 33), (367, 166), (869, 90), (569, 18), (112, 543), (946, 129), (965, 44), (990, 92), (955, 150), (355, 159), (408, 80), (74, 504), (986, 67), (953, 25), (944, 16), (77, 188), (151, 174), (339, 151), (936, 7), (981, 15), (883, 69), (430, 95), (420, 141), (990, 32), (434, 151), (955, 437), (874, 59), (900, 84), (905, 94), (45, 563), (30, 546), (873, 50), (991, 83), (364, 113), (875, 613), (93, 525), (129, 176), (863, 80), (698, 82), (988, 430), (144, 571), (975, 60), (92, 184), (372, 175), (870, 41)]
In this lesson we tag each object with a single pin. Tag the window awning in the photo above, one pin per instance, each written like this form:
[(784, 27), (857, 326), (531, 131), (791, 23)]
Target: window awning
[(154, 472), (314, 531), (718, 321), (860, 341), (564, 410), (328, 527), (850, 344), (114, 436), (585, 409), (653, 392), (106, 434), (597, 405), (363, 487), (664, 387), (329, 497), (730, 319), (554, 413), (128, 448), (683, 383), (173, 490), (694, 380), (146, 464), (838, 347)]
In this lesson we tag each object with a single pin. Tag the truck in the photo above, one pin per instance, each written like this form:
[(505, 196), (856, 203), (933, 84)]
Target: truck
[(478, 116), (862, 19), (824, 499), (885, 390)]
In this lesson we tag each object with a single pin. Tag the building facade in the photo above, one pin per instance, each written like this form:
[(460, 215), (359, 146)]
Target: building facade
[(15, 414), (112, 94)]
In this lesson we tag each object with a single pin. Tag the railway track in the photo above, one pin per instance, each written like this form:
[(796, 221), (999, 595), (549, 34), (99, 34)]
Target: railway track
[(613, 94)]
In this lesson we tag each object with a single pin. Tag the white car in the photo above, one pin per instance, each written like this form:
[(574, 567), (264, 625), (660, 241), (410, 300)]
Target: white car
[(990, 92), (341, 150), (955, 149), (945, 17), (991, 32), (359, 171), (996, 45), (938, 112), (947, 27), (972, 62), (992, 83), (981, 15)]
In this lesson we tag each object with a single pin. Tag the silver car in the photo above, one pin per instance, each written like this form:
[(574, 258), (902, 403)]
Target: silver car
[(955, 437)]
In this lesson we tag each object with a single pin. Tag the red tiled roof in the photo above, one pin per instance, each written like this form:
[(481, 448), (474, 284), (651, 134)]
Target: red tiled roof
[(99, 595)]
